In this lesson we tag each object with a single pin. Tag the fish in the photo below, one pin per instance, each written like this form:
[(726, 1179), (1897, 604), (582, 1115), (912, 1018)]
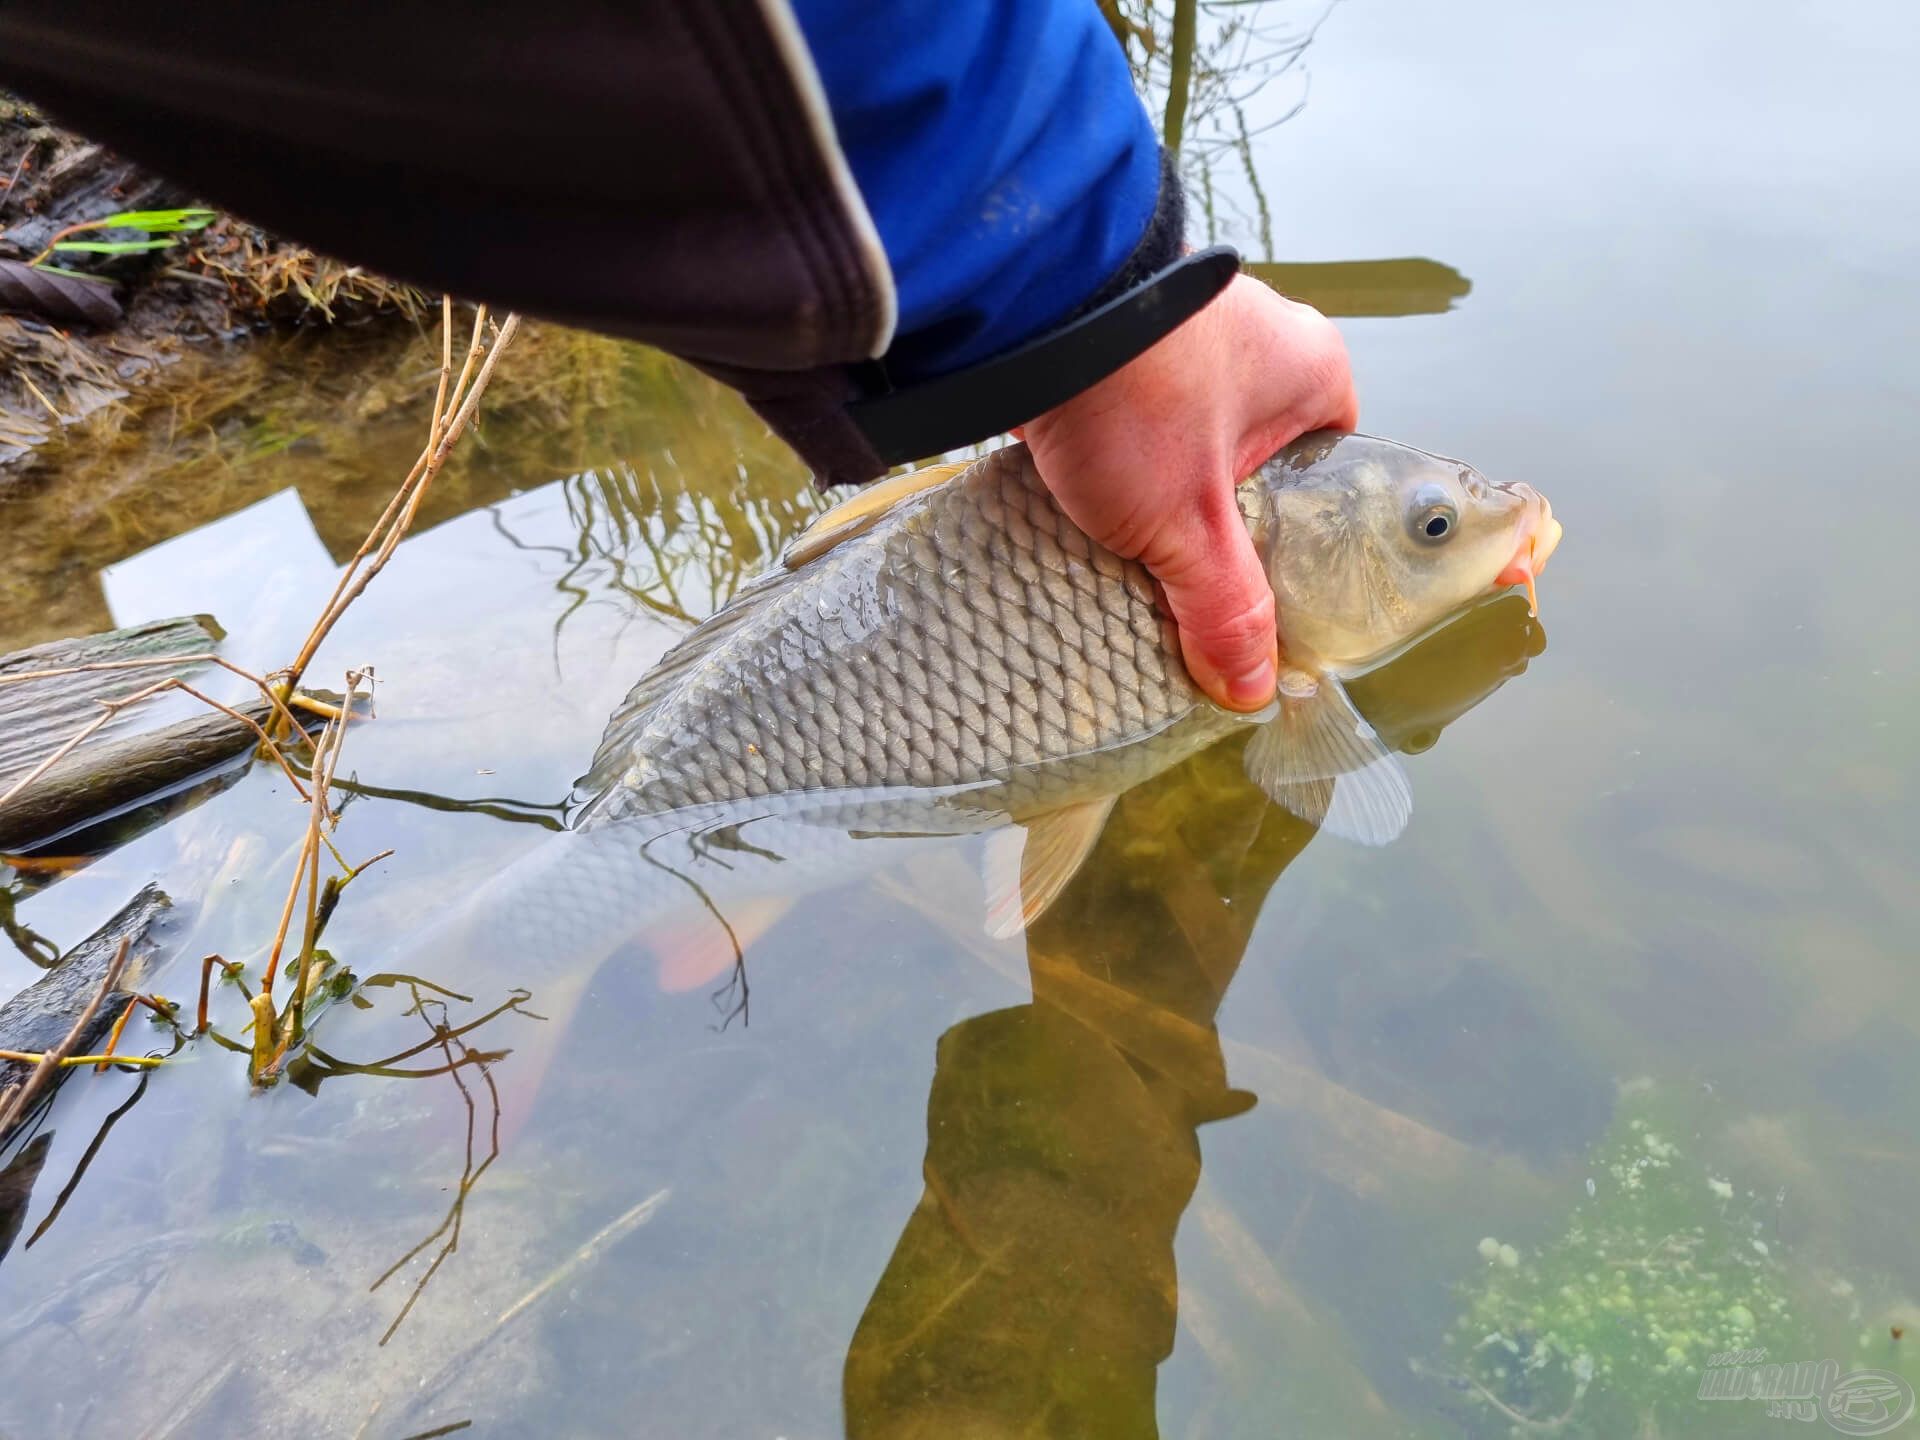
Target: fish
[(948, 652)]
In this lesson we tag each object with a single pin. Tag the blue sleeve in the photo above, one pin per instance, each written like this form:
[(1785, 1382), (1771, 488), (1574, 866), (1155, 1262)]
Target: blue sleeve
[(1006, 162)]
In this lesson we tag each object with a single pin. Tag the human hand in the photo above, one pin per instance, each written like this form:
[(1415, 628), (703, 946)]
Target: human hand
[(1146, 463)]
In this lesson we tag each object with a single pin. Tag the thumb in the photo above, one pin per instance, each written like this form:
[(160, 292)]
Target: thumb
[(1223, 605)]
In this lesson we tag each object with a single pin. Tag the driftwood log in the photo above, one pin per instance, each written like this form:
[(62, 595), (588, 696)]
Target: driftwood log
[(97, 782), (36, 716), (41, 1016), (115, 769)]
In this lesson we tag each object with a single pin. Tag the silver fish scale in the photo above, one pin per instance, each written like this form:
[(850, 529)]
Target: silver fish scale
[(975, 637)]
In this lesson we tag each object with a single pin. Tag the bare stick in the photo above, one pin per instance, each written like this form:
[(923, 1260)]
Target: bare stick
[(392, 526), (267, 742), (36, 1081), (614, 1230), (446, 371), (286, 914), (206, 979), (74, 1062), (113, 1035), (325, 756)]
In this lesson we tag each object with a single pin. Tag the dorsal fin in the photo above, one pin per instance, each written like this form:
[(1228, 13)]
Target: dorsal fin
[(862, 511)]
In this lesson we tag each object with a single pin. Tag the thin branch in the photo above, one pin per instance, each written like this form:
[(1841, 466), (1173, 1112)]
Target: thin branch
[(74, 1062), (113, 1035), (394, 524)]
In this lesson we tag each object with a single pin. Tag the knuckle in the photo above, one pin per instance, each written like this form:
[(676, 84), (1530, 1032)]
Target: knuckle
[(1133, 529), (1248, 625)]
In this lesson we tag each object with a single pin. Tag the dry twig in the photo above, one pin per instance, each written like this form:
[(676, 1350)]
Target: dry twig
[(393, 524)]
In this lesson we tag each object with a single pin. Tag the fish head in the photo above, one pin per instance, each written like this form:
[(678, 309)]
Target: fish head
[(1370, 544)]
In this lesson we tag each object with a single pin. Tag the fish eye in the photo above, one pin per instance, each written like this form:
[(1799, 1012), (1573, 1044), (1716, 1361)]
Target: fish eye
[(1432, 517)]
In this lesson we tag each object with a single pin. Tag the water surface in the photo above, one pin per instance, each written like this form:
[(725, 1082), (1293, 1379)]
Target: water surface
[(1215, 1150)]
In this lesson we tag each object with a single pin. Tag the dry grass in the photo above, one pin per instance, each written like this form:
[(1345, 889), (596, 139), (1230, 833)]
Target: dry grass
[(270, 278)]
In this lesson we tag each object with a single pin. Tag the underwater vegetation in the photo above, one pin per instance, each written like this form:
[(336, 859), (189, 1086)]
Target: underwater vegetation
[(1670, 1267)]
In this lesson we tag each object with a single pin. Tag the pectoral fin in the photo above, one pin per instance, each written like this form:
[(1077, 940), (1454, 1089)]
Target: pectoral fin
[(863, 510), (1029, 865), (1319, 759)]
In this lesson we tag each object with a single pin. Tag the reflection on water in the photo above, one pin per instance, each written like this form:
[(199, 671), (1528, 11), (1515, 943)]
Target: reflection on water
[(1034, 1290), (1613, 1060), (1062, 1127)]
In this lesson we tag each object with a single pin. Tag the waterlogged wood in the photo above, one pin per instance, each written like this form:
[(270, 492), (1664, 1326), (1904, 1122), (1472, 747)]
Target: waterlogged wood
[(110, 770), (38, 716), (97, 781), (41, 1017)]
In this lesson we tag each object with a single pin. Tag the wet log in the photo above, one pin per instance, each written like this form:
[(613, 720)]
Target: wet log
[(97, 782), (112, 771), (37, 716), (42, 1015)]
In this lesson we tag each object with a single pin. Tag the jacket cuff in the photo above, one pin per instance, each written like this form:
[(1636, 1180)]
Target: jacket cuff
[(1162, 244), (808, 409)]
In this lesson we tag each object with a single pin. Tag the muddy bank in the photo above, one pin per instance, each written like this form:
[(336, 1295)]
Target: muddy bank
[(85, 335)]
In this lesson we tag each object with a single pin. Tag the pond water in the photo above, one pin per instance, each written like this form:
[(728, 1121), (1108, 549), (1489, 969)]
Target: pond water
[(1610, 1064)]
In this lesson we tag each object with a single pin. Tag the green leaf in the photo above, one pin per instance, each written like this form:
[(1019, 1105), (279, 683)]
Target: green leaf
[(156, 221), (115, 247)]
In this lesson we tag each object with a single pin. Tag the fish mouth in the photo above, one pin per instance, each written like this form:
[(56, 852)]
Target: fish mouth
[(1539, 538)]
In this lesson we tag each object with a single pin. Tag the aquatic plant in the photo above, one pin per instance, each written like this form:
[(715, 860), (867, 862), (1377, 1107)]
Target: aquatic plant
[(1605, 1330)]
